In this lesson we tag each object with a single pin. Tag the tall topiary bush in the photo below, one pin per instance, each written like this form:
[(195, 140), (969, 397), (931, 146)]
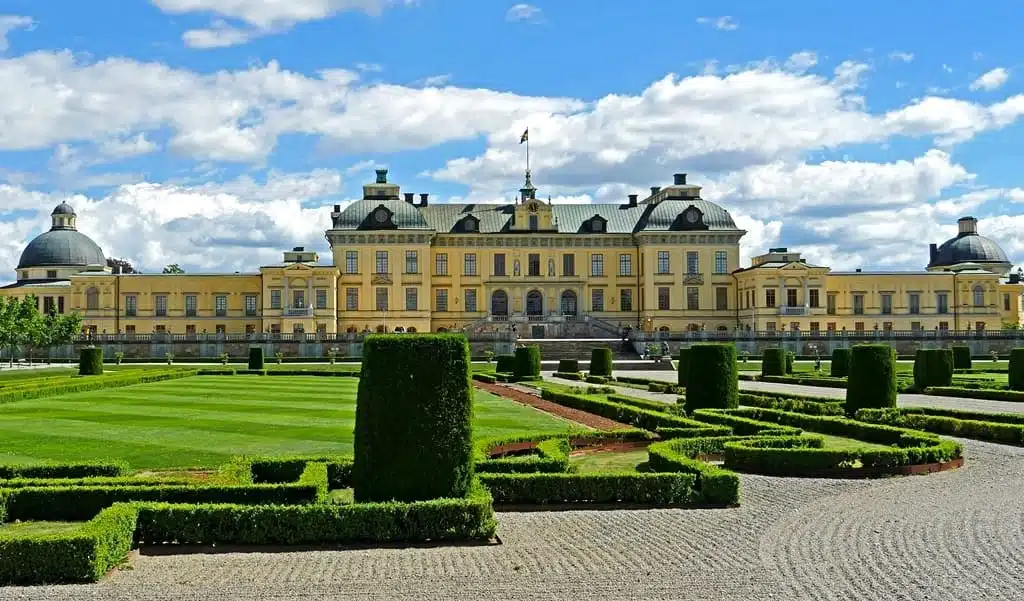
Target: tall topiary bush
[(90, 362), (962, 357), (773, 362), (790, 358), (568, 366), (1016, 370), (527, 361), (255, 357), (933, 367), (413, 435), (684, 366), (840, 367), (506, 364), (872, 380), (601, 362), (714, 377)]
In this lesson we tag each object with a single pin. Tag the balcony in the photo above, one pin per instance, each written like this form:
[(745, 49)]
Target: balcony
[(792, 310), (298, 312)]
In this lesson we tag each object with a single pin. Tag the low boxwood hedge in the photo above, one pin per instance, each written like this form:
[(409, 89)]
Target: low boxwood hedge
[(742, 426), (64, 470), (551, 455), (627, 414), (791, 404), (488, 378), (574, 376), (641, 403), (714, 486), (55, 387), (966, 424), (656, 489), (988, 394)]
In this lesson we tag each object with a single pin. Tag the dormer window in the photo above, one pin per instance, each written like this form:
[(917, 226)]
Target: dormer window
[(470, 224), (595, 225), (534, 221)]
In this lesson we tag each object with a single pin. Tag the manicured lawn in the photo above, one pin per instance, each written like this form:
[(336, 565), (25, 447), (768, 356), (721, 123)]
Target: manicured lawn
[(203, 421), (610, 461), (36, 528)]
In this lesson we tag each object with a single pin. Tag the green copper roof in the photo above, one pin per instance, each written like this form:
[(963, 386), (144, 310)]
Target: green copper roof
[(360, 215)]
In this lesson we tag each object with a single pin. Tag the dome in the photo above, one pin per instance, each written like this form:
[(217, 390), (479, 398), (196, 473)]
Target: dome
[(667, 214), (63, 209), (58, 248), (361, 215), (968, 247)]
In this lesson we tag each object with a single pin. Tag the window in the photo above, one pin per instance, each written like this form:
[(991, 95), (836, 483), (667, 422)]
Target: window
[(220, 305), (915, 326), (625, 299), (886, 304), (250, 329), (92, 299), (441, 299), (298, 329), (534, 265), (250, 304), (160, 329), (771, 326), (299, 299), (914, 303), (1006, 302), (382, 299), (568, 264), (831, 327), (412, 261), (814, 298), (858, 304), (943, 326), (161, 305), (721, 298), (979, 326), (321, 330), (351, 261), (597, 299), (663, 262), (794, 326), (382, 262), (887, 326), (469, 264), (51, 274), (352, 299), (275, 299), (942, 302), (47, 304), (470, 299), (129, 330), (534, 223), (791, 297), (190, 329), (721, 261), (190, 305), (692, 262), (769, 298), (412, 299), (596, 264), (499, 264), (625, 264), (663, 299), (60, 304), (815, 327), (858, 327), (979, 296), (321, 298), (275, 329), (131, 305), (693, 298), (830, 301), (441, 264)]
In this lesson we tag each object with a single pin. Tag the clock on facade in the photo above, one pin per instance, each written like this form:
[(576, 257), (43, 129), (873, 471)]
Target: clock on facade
[(691, 215), (380, 215)]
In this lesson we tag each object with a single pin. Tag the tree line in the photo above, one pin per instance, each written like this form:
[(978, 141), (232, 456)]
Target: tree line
[(24, 327)]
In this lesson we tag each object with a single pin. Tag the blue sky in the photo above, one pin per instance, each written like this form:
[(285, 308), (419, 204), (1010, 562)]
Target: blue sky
[(213, 133)]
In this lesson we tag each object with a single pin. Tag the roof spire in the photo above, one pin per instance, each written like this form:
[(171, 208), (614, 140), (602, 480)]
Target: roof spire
[(528, 191)]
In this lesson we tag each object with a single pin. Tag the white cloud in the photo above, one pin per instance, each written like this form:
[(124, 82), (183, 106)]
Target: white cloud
[(523, 12), (435, 81), (9, 23), (802, 61), (723, 23), (218, 35), (991, 80), (901, 56), (128, 147), (369, 67)]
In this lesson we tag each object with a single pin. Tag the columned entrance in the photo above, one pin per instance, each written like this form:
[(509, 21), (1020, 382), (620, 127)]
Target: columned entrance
[(569, 303)]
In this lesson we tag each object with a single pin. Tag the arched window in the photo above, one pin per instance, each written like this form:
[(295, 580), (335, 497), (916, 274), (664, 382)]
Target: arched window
[(381, 329), (411, 330), (442, 330), (92, 299), (979, 296)]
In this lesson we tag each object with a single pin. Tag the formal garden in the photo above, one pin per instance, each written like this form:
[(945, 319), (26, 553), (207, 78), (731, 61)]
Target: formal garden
[(418, 447)]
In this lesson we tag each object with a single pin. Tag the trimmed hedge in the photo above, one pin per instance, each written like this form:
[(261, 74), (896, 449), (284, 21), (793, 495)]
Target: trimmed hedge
[(715, 486), (1015, 372), (551, 455), (64, 470), (627, 414), (256, 358), (961, 357), (574, 376), (971, 425), (872, 380), (791, 404), (601, 362), (742, 426), (988, 394), (840, 365), (790, 357), (505, 364), (773, 362), (488, 378), (568, 366), (61, 386), (90, 362), (933, 367), (714, 383), (251, 372), (527, 361), (413, 435), (683, 370), (641, 403), (657, 489)]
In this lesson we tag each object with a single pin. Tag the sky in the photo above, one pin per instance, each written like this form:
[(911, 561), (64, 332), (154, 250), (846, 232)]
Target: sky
[(217, 133)]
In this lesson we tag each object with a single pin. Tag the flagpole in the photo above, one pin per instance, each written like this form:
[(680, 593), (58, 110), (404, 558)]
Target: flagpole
[(527, 149)]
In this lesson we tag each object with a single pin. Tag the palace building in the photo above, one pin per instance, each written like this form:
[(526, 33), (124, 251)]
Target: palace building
[(667, 262)]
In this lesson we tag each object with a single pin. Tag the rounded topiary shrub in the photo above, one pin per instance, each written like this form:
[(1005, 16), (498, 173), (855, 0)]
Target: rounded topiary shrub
[(714, 377), (933, 367), (255, 358), (90, 362), (840, 367), (413, 434), (601, 362), (527, 361), (872, 380), (684, 366), (568, 366), (790, 358), (1016, 369), (506, 364), (962, 357), (773, 362)]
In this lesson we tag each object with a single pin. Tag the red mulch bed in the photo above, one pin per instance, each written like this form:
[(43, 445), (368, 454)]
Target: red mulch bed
[(580, 417)]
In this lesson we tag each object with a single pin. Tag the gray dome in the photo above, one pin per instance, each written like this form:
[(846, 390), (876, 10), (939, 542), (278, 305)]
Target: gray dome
[(968, 248), (666, 215), (63, 209), (62, 247), (360, 215)]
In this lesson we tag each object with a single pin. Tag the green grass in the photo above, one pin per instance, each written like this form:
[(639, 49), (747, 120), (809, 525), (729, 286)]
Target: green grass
[(610, 461), (36, 528), (840, 443), (203, 421)]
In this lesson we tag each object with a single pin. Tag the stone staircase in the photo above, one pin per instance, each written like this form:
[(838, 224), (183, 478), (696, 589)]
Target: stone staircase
[(580, 348)]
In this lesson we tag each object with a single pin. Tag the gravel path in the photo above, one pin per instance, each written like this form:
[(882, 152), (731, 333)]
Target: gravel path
[(956, 536)]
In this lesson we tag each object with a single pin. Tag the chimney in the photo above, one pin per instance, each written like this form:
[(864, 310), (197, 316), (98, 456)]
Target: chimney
[(423, 199), (679, 179), (337, 208), (933, 251), (858, 270), (655, 190), (382, 176), (968, 225), (409, 198), (632, 200)]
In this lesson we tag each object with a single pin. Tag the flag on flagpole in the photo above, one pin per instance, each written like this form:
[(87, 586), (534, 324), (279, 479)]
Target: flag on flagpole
[(525, 136)]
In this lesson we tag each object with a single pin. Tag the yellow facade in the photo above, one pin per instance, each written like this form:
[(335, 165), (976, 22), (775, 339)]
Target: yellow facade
[(669, 262)]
